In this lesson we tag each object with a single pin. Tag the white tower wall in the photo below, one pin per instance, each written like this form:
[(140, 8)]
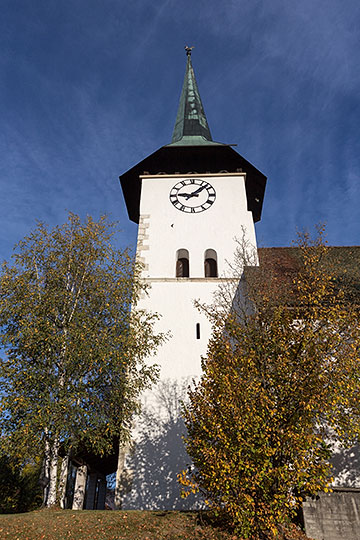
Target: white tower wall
[(163, 230)]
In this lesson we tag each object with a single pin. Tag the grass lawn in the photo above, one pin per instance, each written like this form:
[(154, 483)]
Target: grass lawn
[(106, 525)]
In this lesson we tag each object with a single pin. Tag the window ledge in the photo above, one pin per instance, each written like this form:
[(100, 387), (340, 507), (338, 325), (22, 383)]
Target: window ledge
[(191, 280)]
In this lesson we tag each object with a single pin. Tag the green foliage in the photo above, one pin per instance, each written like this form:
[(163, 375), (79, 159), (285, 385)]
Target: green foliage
[(9, 486), (19, 486), (75, 351), (281, 372)]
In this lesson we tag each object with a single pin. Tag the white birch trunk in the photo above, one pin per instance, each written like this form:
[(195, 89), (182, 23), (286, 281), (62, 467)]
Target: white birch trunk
[(51, 499), (44, 479), (63, 481)]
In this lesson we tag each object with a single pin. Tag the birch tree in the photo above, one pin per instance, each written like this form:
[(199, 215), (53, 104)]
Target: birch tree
[(73, 364)]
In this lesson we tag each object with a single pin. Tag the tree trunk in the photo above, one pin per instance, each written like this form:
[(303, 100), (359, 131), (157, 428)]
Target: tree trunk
[(45, 473), (63, 481), (51, 499)]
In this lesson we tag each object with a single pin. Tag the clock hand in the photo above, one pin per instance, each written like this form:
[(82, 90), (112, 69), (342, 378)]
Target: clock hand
[(188, 195), (195, 193)]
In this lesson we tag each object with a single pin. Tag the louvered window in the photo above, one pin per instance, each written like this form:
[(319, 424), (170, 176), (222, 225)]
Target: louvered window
[(210, 263), (182, 263)]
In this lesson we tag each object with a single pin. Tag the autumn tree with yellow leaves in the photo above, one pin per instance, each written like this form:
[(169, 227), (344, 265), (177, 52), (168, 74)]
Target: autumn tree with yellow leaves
[(282, 372), (73, 364)]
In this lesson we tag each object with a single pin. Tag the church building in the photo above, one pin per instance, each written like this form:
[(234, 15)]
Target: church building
[(192, 198)]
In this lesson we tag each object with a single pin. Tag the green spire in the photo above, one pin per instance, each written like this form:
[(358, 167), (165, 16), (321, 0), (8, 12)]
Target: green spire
[(191, 127)]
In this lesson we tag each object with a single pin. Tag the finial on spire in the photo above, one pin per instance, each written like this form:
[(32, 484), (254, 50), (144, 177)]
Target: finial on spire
[(191, 126)]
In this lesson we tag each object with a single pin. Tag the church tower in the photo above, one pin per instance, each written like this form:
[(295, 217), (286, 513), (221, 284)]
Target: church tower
[(191, 199)]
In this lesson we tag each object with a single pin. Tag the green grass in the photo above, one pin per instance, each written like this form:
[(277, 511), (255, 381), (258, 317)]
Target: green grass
[(106, 525)]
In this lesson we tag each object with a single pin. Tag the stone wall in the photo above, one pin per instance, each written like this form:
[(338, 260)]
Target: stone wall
[(333, 516)]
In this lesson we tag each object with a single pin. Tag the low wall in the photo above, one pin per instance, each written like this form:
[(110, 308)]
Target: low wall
[(333, 516)]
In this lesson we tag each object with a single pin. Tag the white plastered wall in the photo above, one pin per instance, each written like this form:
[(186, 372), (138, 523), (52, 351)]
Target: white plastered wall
[(163, 229), (170, 229)]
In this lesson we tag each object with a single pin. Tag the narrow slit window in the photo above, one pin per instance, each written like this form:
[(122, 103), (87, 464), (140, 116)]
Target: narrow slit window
[(182, 263), (197, 330), (210, 263)]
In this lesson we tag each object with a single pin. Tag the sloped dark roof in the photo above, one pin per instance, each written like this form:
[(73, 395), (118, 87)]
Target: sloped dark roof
[(343, 262), (106, 464), (195, 160)]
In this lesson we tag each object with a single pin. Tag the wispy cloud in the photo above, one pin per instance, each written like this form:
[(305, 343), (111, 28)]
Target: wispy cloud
[(89, 89)]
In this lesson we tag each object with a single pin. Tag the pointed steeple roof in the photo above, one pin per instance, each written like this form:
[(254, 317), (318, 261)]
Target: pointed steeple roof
[(191, 126), (192, 149)]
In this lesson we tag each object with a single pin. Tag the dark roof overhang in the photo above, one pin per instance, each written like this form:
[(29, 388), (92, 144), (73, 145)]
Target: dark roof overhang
[(195, 160), (105, 464)]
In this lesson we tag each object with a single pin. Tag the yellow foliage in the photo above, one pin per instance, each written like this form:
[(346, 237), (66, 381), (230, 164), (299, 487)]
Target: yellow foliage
[(281, 370)]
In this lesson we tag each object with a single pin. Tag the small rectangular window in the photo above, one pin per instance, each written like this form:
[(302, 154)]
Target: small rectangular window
[(197, 330)]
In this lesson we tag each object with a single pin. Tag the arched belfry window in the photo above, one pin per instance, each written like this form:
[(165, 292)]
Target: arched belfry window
[(210, 263), (182, 263)]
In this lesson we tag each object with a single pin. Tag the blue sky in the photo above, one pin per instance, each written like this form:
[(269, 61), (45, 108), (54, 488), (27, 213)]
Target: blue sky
[(90, 87)]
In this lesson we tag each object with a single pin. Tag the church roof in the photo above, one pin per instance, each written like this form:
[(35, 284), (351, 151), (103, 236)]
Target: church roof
[(284, 263), (185, 159), (191, 126)]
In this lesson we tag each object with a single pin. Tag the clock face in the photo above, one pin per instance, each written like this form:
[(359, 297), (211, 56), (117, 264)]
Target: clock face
[(192, 195)]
